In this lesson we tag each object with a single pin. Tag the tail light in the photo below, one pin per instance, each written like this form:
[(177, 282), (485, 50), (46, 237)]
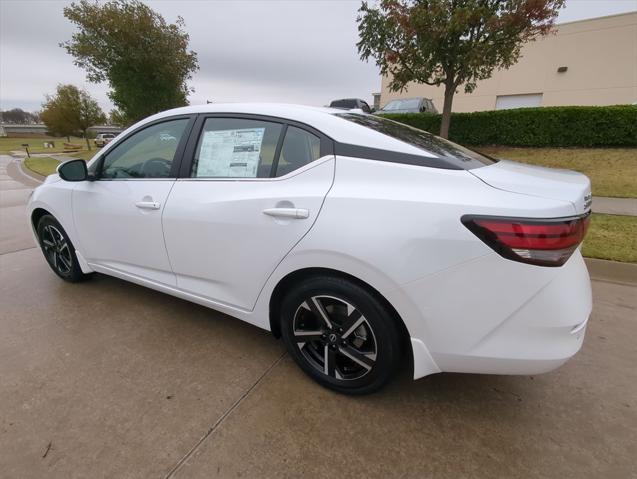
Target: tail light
[(543, 242)]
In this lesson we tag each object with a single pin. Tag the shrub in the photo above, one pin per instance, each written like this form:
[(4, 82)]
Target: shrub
[(536, 127)]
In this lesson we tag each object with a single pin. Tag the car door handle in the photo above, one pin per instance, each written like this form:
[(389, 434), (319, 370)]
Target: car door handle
[(297, 213), (148, 205)]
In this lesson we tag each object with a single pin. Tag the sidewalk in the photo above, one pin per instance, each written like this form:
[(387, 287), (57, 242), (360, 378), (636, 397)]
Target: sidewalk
[(58, 156), (615, 206)]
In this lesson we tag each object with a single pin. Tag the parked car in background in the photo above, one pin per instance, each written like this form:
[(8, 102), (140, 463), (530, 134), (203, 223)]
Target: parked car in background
[(351, 104), (103, 139), (355, 238), (409, 105)]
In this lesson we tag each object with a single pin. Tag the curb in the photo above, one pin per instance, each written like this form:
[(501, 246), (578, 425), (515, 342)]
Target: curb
[(613, 271), (27, 172)]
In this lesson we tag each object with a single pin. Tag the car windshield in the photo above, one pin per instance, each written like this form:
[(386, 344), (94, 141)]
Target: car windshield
[(418, 138), (411, 104)]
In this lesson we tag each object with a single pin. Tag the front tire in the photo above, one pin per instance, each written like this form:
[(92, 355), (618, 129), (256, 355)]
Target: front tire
[(340, 334), (58, 250)]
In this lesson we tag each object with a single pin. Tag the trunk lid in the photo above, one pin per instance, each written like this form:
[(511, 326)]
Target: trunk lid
[(564, 185)]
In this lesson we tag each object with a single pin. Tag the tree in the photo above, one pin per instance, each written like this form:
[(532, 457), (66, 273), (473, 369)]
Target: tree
[(71, 111), (144, 60), (115, 117), (449, 42), (17, 116)]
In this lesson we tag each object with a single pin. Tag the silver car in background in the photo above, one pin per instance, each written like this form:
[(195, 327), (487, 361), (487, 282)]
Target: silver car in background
[(409, 105)]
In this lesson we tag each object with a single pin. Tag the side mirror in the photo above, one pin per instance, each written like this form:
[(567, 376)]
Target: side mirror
[(73, 170)]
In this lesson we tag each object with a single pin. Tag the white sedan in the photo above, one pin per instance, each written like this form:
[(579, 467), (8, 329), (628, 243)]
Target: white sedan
[(354, 238)]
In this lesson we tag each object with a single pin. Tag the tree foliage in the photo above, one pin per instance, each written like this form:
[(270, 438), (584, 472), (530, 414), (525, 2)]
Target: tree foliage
[(17, 116), (116, 117), (71, 111), (145, 60), (449, 42)]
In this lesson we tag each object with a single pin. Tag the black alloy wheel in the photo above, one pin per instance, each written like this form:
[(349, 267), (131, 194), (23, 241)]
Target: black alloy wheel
[(341, 334), (58, 250)]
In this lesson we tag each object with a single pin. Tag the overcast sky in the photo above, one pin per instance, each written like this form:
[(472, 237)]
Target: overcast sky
[(296, 51)]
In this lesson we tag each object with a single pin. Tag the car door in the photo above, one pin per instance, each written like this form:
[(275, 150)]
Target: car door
[(252, 190), (118, 216)]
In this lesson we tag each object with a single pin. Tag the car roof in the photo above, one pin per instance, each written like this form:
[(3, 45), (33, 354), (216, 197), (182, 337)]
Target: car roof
[(324, 119), (348, 99), (410, 98)]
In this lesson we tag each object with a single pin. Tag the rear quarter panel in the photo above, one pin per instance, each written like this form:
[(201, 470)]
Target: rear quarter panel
[(391, 225)]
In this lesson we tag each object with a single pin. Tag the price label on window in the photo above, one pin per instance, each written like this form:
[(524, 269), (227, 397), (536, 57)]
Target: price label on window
[(230, 153)]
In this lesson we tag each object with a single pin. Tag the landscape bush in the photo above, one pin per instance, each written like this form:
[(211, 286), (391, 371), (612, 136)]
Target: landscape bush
[(562, 126)]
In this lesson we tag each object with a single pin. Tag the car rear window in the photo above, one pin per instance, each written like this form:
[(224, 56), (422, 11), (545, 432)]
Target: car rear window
[(343, 104), (420, 139), (412, 104)]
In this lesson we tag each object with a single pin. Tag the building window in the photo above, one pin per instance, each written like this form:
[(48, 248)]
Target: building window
[(506, 102)]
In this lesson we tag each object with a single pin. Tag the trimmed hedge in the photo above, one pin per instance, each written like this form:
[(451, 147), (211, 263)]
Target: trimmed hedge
[(536, 127)]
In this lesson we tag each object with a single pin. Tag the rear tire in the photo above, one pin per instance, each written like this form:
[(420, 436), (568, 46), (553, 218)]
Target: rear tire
[(58, 250), (340, 334)]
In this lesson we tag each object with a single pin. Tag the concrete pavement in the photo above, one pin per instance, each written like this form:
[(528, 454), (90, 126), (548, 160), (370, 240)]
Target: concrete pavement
[(15, 188), (615, 206), (121, 381), (109, 379)]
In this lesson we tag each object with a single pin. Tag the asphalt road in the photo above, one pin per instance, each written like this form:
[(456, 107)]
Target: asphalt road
[(109, 379)]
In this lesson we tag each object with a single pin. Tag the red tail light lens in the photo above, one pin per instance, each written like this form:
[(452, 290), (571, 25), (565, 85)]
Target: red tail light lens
[(544, 242)]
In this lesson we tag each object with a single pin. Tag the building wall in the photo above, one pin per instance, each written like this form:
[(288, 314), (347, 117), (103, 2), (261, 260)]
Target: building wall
[(601, 56)]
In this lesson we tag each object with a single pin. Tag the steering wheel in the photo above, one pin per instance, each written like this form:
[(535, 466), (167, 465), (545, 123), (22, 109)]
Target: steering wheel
[(117, 172), (155, 168)]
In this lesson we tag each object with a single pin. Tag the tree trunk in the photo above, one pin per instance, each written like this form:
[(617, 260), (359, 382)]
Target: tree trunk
[(88, 144), (450, 90)]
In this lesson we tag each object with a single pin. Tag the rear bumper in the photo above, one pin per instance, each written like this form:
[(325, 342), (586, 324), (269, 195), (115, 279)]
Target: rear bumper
[(497, 316)]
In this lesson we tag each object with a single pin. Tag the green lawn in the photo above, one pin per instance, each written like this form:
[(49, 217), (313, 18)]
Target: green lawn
[(43, 165), (86, 155), (46, 165), (613, 171), (612, 237), (36, 144)]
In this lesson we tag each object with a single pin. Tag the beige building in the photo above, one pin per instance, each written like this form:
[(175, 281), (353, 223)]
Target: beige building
[(588, 62)]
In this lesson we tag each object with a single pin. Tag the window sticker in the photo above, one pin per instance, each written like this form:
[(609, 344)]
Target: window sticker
[(230, 153)]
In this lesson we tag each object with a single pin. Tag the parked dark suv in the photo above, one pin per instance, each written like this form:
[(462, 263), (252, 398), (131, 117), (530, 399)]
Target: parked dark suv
[(351, 104)]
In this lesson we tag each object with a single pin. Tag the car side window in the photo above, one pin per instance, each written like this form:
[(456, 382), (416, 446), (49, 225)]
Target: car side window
[(299, 148), (236, 148), (148, 153)]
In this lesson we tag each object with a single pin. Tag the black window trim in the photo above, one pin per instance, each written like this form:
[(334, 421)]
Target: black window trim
[(177, 158), (326, 148), (184, 155), (277, 151), (389, 156)]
